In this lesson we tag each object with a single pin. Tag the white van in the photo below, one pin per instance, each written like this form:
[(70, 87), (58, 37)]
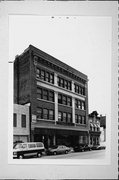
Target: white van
[(22, 150)]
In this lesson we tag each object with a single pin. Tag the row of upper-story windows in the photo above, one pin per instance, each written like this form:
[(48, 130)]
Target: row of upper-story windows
[(45, 75), (64, 117), (48, 95), (45, 94), (63, 99), (79, 89), (23, 120), (64, 83), (94, 128), (67, 84), (79, 104), (79, 119), (45, 113)]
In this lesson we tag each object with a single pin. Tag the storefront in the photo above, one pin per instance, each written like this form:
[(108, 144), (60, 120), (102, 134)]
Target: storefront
[(60, 136)]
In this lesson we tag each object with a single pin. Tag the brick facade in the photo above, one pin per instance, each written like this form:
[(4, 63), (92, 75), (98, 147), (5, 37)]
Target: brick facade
[(33, 69)]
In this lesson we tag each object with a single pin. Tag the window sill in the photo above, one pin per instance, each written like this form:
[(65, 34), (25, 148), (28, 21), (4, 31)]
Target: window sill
[(45, 100), (65, 105), (46, 120)]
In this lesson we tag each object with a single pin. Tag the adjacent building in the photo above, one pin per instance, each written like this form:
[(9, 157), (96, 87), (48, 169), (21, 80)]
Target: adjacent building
[(94, 132), (103, 129), (21, 123), (58, 98)]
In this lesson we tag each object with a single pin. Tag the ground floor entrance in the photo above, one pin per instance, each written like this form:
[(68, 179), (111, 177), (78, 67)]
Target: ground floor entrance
[(59, 137), (94, 139)]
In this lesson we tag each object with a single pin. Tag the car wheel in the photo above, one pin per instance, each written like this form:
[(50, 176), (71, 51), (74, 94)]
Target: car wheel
[(39, 154), (54, 152), (21, 156), (66, 152)]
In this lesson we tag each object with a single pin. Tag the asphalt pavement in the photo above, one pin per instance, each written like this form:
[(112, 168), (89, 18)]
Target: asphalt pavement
[(94, 154)]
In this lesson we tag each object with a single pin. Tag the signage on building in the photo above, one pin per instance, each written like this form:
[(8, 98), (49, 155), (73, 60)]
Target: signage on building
[(33, 118)]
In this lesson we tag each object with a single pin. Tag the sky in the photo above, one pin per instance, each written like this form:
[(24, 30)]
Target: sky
[(83, 42)]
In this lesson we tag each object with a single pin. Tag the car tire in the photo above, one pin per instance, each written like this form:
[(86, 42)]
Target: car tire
[(54, 153), (39, 154), (21, 156)]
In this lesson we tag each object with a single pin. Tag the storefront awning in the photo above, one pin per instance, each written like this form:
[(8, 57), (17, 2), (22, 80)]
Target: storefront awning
[(46, 131)]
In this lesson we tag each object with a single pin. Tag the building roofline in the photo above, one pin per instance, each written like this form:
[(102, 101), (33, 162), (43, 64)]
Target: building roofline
[(54, 61)]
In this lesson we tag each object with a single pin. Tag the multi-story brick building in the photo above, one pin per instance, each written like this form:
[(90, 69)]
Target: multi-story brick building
[(58, 97), (21, 123)]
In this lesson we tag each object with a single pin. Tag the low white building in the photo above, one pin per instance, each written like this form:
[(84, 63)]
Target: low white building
[(103, 130), (21, 131)]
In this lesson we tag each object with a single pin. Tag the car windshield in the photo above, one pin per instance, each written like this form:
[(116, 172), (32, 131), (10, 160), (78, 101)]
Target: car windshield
[(17, 146)]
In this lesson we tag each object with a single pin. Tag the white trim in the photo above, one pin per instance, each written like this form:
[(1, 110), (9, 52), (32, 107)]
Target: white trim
[(59, 89)]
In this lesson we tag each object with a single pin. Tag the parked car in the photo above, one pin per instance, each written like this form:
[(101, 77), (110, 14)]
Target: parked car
[(87, 147), (80, 148), (98, 147), (58, 149), (21, 150)]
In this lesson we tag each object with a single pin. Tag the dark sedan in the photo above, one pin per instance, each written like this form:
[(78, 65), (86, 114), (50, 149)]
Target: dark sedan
[(80, 148), (58, 149), (98, 147)]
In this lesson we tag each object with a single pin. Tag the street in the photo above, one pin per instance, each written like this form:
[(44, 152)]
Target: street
[(95, 154)]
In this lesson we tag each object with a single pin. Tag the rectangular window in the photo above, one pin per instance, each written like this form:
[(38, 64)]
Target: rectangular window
[(52, 78), (62, 82), (79, 104), (69, 85), (45, 94), (83, 105), (77, 88), (14, 120), (76, 118), (79, 119), (59, 116), (47, 76), (39, 113), (64, 100), (65, 84), (69, 101), (23, 120), (42, 76), (76, 103), (64, 116), (69, 117), (51, 114), (58, 81), (31, 145), (51, 96), (37, 72), (39, 93), (83, 120), (60, 98), (45, 113), (83, 91)]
